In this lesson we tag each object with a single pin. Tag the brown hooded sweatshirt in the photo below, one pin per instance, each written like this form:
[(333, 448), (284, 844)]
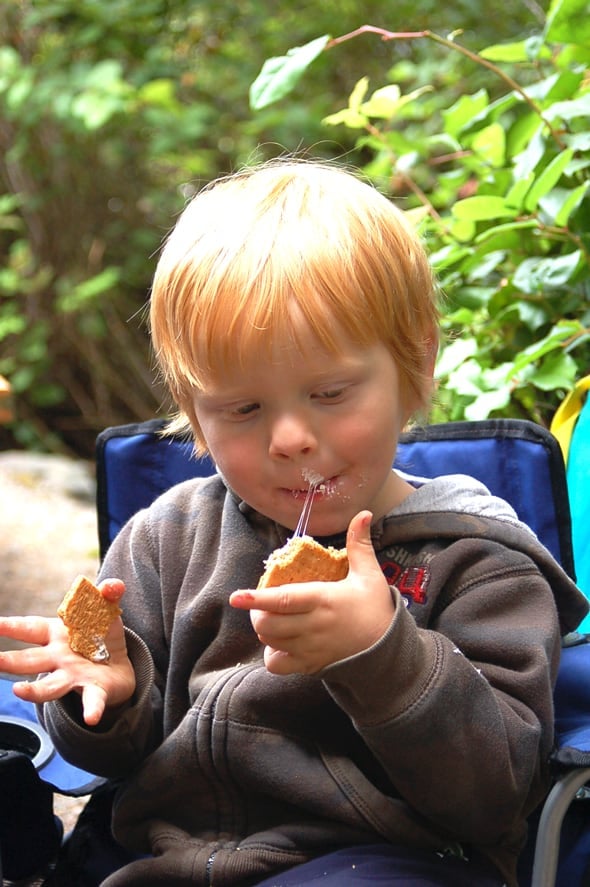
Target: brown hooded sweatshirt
[(436, 737)]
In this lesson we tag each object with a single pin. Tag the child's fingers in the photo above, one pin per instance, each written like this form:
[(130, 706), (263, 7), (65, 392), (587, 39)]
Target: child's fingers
[(31, 660), (284, 599), (285, 662), (359, 547), (112, 589), (29, 629), (44, 689), (94, 699), (278, 661), (58, 684)]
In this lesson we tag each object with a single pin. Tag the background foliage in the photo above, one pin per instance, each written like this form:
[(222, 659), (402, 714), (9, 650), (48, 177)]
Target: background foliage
[(113, 114), (499, 180)]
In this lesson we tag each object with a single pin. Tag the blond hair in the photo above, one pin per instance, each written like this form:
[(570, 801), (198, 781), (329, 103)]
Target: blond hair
[(291, 238)]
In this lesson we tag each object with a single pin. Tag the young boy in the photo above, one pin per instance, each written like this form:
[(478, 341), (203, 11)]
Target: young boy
[(326, 731)]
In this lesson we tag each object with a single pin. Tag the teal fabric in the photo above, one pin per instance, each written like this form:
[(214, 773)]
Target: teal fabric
[(578, 480)]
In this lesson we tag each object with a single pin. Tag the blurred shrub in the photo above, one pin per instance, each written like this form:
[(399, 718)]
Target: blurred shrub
[(112, 114), (498, 179)]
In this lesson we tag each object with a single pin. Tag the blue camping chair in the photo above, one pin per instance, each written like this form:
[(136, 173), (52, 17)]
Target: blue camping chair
[(518, 461)]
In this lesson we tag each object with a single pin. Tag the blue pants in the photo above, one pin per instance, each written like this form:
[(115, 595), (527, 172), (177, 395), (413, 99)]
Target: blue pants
[(387, 864)]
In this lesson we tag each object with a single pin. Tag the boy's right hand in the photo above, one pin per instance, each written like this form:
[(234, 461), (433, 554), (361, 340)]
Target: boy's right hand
[(102, 686)]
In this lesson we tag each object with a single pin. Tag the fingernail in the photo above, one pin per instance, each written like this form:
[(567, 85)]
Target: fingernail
[(239, 598)]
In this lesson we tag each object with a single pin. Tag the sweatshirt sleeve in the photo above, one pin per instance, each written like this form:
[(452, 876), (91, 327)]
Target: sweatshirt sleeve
[(114, 751), (460, 713)]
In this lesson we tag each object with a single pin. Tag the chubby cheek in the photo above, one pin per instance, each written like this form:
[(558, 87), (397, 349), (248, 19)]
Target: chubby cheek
[(370, 441), (241, 463), (237, 462)]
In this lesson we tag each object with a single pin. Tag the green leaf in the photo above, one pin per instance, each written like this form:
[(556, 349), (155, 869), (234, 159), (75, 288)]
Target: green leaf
[(505, 52), (486, 402), (558, 335), (461, 114), (482, 264), (568, 22), (463, 230), (358, 93), (20, 92), (521, 131), (490, 144), (566, 86), (484, 208), (571, 203), (10, 67), (47, 394), (347, 117), (78, 296), (10, 202), (385, 103), (10, 281), (382, 100), (534, 316), (557, 370), (466, 379), (12, 326), (280, 74), (570, 110), (448, 256), (561, 203), (352, 116), (517, 193), (453, 355), (159, 92), (547, 179), (523, 51), (579, 141), (473, 297), (527, 160), (104, 75), (94, 110), (536, 275)]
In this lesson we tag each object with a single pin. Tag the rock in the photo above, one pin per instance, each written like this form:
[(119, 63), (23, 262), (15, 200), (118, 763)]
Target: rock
[(48, 531), (50, 473)]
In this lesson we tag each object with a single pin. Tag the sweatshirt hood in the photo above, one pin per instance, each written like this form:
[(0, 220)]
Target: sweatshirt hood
[(459, 507)]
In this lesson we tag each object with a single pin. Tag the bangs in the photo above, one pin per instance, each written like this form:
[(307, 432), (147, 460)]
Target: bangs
[(237, 322), (236, 302), (277, 255)]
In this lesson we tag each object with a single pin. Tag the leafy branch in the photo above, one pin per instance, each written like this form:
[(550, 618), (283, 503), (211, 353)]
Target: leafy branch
[(457, 47), (505, 209)]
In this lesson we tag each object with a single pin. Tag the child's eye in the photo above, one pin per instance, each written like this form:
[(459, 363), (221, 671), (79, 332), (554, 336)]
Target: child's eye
[(246, 409), (330, 394)]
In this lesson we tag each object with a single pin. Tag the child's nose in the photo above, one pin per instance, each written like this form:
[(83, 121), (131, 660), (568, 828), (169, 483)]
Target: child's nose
[(290, 437)]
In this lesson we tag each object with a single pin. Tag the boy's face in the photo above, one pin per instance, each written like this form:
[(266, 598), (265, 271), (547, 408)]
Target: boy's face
[(307, 412)]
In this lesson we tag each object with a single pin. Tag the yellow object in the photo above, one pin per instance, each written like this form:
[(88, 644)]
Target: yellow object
[(566, 415)]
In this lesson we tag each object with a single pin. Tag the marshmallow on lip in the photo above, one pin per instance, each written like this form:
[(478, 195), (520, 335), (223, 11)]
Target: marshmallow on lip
[(317, 480), (312, 477)]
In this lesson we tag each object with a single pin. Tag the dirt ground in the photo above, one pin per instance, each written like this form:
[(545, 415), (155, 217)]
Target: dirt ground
[(48, 535), (47, 530)]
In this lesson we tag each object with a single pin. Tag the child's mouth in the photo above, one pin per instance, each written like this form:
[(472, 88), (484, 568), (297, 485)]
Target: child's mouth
[(323, 488)]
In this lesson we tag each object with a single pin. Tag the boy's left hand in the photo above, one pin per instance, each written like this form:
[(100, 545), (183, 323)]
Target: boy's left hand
[(308, 626)]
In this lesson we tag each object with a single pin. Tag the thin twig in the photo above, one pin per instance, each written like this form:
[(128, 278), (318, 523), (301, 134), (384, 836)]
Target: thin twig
[(451, 44)]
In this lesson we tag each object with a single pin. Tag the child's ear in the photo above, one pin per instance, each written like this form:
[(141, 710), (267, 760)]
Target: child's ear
[(419, 401)]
